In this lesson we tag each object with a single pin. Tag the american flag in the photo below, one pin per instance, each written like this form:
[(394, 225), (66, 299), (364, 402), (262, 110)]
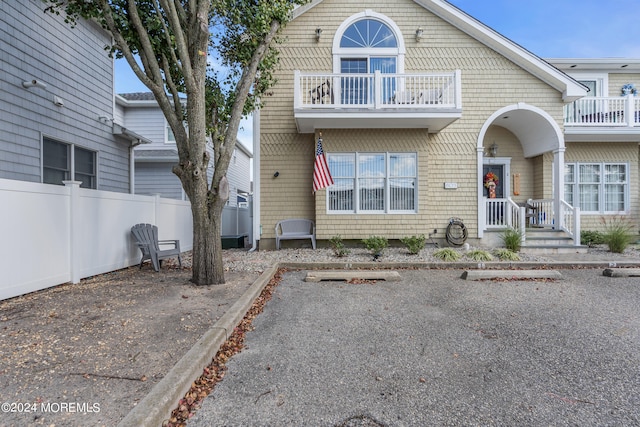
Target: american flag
[(321, 174)]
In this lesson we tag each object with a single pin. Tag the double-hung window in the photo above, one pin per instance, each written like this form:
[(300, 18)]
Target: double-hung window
[(372, 182), (597, 187), (62, 162)]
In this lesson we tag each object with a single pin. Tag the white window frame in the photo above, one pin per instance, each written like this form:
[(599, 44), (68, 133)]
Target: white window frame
[(601, 79), (601, 187), (387, 188), (350, 52)]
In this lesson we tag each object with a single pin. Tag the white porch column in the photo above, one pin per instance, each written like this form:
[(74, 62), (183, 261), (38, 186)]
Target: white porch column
[(558, 184), (482, 221), (256, 228)]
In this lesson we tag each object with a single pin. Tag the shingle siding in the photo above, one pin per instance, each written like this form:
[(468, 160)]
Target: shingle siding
[(617, 80), (74, 66), (489, 83)]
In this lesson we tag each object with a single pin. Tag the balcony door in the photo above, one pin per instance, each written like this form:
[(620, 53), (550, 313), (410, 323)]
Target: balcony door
[(359, 89)]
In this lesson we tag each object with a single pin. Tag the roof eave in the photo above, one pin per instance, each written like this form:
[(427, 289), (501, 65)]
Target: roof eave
[(570, 88)]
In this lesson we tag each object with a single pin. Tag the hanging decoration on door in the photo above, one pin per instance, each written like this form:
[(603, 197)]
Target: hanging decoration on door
[(490, 182)]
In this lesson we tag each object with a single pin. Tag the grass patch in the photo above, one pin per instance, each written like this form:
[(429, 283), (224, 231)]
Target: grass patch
[(447, 254), (506, 254), (617, 234), (512, 239), (479, 255)]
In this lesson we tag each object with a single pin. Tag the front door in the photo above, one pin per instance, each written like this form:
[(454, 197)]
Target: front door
[(498, 170)]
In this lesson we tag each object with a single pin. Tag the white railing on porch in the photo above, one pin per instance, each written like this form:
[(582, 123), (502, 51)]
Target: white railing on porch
[(377, 90), (570, 223), (500, 213), (615, 111), (505, 213), (543, 213)]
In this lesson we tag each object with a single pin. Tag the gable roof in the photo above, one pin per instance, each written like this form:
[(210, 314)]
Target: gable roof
[(570, 88)]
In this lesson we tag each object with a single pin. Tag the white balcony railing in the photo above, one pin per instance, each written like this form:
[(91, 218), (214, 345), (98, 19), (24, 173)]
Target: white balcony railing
[(377, 91), (603, 111)]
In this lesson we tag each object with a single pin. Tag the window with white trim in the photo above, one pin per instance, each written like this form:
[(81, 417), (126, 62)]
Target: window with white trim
[(372, 183), (62, 162), (597, 187)]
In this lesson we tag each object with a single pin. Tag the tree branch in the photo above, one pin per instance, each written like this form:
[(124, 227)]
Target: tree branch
[(242, 93)]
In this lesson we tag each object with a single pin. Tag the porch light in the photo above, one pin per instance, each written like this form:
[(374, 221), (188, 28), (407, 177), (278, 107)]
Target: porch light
[(419, 32), (493, 150), (318, 33)]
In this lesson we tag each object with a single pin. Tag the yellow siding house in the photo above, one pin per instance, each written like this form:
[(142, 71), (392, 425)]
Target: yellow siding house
[(417, 105)]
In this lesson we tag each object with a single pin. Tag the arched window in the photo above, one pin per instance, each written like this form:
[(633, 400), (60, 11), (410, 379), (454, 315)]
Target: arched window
[(366, 43), (368, 33)]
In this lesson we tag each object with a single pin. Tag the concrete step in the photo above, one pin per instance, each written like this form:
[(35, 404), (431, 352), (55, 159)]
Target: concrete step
[(539, 249), (548, 240), (541, 241)]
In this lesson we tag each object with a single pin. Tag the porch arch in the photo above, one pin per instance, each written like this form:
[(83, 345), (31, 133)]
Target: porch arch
[(537, 132)]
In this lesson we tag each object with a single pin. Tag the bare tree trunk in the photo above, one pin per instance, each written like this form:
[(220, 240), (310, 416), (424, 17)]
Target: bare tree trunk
[(207, 263)]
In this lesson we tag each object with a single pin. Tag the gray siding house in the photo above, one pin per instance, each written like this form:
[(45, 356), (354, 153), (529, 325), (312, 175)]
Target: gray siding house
[(57, 114), (139, 112)]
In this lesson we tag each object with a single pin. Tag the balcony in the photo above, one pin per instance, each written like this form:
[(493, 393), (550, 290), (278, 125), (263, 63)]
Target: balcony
[(603, 119), (376, 101)]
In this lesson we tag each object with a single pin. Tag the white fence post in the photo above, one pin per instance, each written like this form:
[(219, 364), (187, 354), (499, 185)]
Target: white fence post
[(74, 237), (69, 233), (156, 208)]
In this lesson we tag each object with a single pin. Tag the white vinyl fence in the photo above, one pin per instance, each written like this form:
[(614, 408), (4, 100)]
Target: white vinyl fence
[(53, 235), (236, 221)]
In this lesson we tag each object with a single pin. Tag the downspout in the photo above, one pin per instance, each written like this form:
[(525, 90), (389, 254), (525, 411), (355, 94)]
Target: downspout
[(256, 180), (132, 170), (134, 141)]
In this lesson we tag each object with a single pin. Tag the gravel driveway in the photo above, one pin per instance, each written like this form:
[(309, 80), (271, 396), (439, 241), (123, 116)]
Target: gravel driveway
[(434, 349)]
